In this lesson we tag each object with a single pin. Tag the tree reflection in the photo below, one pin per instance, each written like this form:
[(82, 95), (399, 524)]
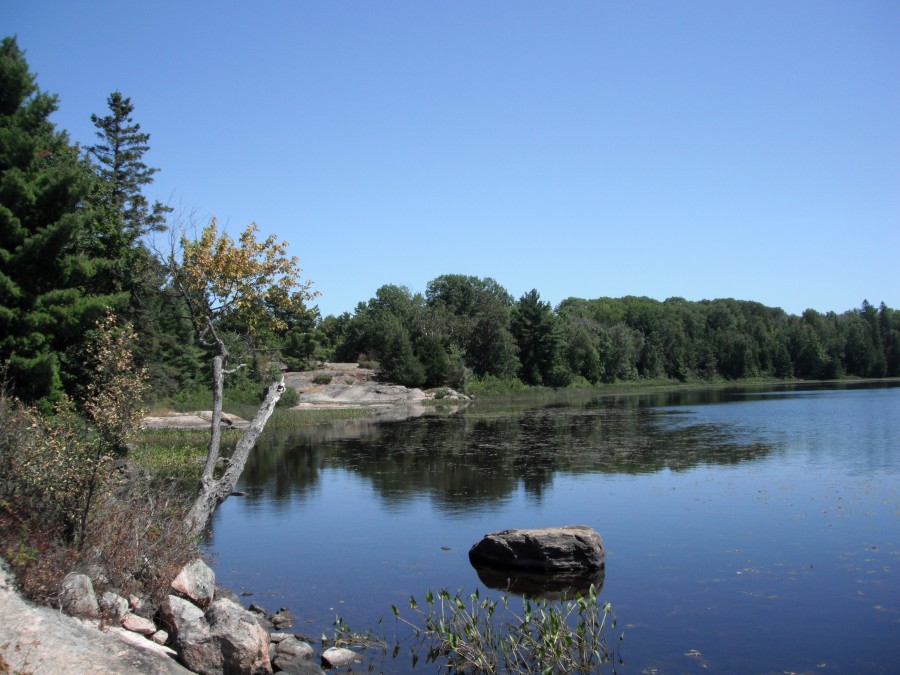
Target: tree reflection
[(485, 453)]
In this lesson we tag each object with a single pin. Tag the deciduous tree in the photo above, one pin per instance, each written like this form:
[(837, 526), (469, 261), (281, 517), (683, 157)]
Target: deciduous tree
[(245, 286)]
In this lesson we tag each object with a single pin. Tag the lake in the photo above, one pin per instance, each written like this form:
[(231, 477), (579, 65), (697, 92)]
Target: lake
[(747, 530)]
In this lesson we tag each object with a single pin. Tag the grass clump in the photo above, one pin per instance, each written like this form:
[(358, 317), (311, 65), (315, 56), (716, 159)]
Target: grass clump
[(177, 454), (481, 635)]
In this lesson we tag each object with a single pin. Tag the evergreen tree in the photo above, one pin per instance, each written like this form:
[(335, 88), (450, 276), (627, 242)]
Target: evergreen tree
[(538, 334), (46, 277), (120, 155), (123, 217)]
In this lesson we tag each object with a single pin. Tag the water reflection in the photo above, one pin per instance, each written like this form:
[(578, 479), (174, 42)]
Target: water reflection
[(540, 586), (481, 455)]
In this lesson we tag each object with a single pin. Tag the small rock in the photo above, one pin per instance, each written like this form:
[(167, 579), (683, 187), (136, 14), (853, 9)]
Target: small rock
[(294, 647), (138, 624), (97, 573), (228, 594), (113, 605), (263, 622), (77, 596), (197, 582), (135, 602), (278, 637), (261, 615), (160, 637), (176, 612), (282, 619), (338, 657), (295, 665)]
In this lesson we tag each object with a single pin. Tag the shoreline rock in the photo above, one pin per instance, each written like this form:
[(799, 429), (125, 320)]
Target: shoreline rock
[(40, 639), (225, 638)]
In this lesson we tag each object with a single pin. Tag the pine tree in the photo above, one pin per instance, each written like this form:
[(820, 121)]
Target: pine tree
[(46, 304), (120, 155), (123, 216)]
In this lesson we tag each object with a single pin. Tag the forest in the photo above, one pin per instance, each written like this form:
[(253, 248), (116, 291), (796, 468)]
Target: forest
[(78, 239)]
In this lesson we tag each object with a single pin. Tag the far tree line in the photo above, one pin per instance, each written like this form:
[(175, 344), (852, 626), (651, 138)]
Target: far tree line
[(466, 326), (76, 235)]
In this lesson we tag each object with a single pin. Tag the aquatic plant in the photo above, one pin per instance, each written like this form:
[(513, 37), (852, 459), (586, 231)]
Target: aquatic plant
[(483, 635)]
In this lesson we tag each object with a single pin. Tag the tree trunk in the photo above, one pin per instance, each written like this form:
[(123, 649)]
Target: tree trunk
[(214, 492), (215, 438)]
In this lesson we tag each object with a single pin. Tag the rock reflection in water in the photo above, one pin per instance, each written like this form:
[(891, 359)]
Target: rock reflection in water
[(535, 586)]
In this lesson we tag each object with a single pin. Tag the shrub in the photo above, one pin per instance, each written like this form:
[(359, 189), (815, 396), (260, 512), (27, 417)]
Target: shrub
[(54, 469), (113, 400), (139, 538), (322, 378), (289, 398), (490, 385), (55, 466), (64, 499)]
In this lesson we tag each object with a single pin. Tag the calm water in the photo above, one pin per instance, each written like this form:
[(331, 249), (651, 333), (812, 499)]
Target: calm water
[(747, 531)]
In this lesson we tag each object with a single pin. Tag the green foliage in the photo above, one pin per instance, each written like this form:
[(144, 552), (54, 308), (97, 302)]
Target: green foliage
[(289, 398), (322, 378), (120, 216), (490, 385), (480, 635), (399, 362), (468, 326), (49, 290), (473, 314), (539, 336)]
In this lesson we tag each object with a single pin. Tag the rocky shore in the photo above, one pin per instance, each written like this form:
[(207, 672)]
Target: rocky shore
[(199, 628), (332, 386)]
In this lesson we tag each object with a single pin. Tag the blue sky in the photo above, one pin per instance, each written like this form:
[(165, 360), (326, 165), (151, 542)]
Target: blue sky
[(695, 149)]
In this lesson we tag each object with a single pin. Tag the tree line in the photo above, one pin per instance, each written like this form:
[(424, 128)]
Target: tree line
[(465, 326), (75, 241)]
